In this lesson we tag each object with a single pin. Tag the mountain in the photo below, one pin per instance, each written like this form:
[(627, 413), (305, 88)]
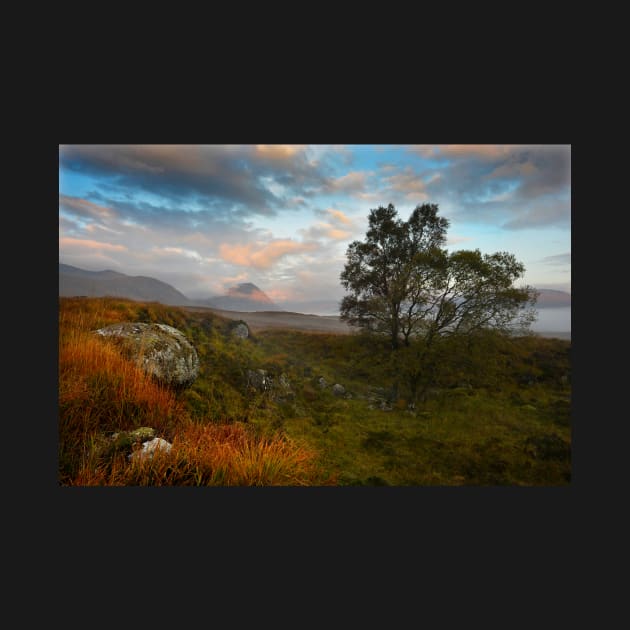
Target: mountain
[(245, 297), (550, 298), (74, 281)]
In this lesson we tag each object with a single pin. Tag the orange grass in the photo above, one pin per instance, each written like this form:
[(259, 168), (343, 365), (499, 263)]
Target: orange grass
[(214, 455), (101, 391)]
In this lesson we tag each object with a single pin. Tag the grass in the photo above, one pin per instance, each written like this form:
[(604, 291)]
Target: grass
[(497, 411)]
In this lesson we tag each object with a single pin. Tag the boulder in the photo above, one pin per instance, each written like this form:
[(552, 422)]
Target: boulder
[(162, 351), (240, 331)]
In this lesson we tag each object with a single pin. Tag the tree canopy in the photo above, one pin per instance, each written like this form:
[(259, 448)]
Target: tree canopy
[(402, 282)]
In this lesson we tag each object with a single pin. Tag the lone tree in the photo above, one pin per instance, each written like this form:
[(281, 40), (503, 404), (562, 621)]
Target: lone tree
[(403, 283)]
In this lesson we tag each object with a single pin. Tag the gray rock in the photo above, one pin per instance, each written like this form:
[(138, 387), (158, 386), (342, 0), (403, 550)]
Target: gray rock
[(338, 390), (162, 351), (284, 389), (241, 330), (321, 381), (259, 379), (149, 448)]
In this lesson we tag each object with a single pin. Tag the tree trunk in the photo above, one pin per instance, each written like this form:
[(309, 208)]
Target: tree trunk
[(395, 325)]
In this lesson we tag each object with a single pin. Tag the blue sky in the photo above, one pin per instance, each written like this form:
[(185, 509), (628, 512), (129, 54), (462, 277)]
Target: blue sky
[(205, 217)]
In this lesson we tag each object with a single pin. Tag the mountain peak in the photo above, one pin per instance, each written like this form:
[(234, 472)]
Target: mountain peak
[(244, 288), (245, 296)]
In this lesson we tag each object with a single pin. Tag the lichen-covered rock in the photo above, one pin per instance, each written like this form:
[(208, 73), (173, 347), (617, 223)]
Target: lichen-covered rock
[(240, 331), (148, 449), (161, 350), (338, 390)]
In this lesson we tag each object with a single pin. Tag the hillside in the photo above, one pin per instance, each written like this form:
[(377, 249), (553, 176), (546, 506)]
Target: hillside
[(80, 282), (337, 409)]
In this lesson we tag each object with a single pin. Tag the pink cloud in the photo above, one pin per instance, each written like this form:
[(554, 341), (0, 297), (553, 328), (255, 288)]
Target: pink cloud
[(83, 207), (483, 151), (262, 256), (353, 181), (339, 216), (88, 244), (279, 151), (407, 181)]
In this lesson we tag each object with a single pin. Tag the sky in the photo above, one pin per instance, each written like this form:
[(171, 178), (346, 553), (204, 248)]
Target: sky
[(204, 218)]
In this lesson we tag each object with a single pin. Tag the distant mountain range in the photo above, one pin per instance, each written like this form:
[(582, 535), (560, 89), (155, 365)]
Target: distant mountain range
[(75, 281), (80, 282), (245, 297), (549, 298)]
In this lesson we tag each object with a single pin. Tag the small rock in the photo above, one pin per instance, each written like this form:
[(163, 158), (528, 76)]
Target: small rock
[(148, 449), (259, 379), (321, 381), (338, 390)]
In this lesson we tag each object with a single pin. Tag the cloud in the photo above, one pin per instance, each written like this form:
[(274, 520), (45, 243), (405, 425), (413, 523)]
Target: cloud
[(337, 227), (198, 215), (279, 151), (179, 251), (513, 186), (387, 168), (262, 255), (84, 208), (69, 242), (355, 181), (450, 151), (339, 216), (325, 230), (94, 227), (544, 214), (558, 259), (174, 171)]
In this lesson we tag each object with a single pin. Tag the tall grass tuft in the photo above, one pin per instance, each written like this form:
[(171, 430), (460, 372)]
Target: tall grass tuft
[(214, 455)]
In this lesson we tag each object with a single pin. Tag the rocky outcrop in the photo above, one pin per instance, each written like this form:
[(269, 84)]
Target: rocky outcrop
[(162, 351)]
